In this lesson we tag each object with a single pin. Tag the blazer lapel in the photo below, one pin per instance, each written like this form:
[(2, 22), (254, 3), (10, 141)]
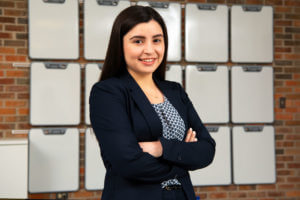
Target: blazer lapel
[(144, 105), (174, 99)]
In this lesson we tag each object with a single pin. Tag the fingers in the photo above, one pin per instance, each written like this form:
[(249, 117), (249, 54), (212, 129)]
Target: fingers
[(189, 135), (194, 137)]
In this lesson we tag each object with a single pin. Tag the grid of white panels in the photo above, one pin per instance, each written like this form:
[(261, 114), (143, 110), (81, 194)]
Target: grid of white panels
[(13, 168), (171, 14), (206, 33), (252, 94), (54, 94), (252, 34), (94, 167), (253, 155), (174, 73), (92, 75), (219, 171), (53, 160), (53, 29), (98, 21), (208, 89)]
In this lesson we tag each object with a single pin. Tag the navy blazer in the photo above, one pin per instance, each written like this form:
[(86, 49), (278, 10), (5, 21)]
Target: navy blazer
[(121, 116)]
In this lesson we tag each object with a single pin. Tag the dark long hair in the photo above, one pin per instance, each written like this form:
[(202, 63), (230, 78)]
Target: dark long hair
[(114, 64)]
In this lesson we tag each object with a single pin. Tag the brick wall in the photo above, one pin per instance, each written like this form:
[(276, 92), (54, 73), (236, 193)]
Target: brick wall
[(14, 97)]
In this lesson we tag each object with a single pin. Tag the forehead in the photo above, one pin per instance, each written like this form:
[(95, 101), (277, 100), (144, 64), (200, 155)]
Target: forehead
[(147, 28)]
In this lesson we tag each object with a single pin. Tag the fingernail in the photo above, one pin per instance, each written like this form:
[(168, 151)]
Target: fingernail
[(194, 132), (191, 129)]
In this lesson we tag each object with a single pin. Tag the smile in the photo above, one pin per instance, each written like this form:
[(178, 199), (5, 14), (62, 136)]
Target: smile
[(147, 61)]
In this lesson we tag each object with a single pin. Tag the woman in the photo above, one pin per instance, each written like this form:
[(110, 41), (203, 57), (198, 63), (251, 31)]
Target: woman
[(148, 130)]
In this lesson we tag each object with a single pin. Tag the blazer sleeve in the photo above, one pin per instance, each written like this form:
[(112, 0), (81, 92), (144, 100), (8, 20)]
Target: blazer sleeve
[(190, 155), (112, 126)]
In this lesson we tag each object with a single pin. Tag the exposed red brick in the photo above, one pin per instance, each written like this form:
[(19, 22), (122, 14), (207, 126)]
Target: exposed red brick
[(7, 20), (284, 116), (7, 111), (7, 81), (18, 28), (13, 58), (283, 50), (22, 4), (292, 56), (7, 126), (15, 103), (22, 51), (293, 165), (7, 50), (295, 193), (256, 194), (23, 111), (266, 187), (292, 151), (14, 43), (5, 35), (82, 193), (283, 89), (291, 3), (7, 95), (13, 12), (23, 96), (294, 110), (16, 88), (217, 195), (237, 194), (208, 188), (247, 187), (23, 125), (286, 186), (8, 4), (15, 73), (283, 23), (273, 2)]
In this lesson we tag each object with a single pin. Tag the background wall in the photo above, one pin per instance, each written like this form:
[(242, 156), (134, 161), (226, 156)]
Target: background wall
[(14, 97)]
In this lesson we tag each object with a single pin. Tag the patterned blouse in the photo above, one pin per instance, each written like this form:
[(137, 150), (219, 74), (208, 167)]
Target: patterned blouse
[(173, 127)]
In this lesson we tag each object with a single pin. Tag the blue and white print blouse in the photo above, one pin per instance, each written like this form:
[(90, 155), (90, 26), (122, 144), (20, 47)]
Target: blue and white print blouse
[(173, 127)]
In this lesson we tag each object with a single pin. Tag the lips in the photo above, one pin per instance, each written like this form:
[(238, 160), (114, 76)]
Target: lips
[(147, 61)]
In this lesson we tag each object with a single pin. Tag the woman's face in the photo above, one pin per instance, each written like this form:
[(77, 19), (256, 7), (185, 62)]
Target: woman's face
[(144, 48)]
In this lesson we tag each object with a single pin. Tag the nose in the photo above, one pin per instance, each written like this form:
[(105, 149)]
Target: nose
[(149, 47)]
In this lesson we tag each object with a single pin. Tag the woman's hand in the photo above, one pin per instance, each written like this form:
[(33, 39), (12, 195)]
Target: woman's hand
[(191, 136), (153, 148)]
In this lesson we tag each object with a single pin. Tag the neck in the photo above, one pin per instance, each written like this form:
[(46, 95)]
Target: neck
[(144, 81)]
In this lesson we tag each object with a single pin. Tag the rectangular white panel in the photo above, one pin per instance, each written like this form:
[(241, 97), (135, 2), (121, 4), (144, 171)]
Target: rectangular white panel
[(219, 171), (53, 160), (98, 22), (92, 75), (94, 167), (174, 73), (208, 89), (253, 155), (53, 29), (252, 34), (13, 168), (171, 14), (54, 93), (206, 33), (252, 94)]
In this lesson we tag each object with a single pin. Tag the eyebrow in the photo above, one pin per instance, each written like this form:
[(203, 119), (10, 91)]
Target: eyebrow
[(143, 37)]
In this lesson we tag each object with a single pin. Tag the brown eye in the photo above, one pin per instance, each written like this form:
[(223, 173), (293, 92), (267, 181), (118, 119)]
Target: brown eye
[(138, 41)]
